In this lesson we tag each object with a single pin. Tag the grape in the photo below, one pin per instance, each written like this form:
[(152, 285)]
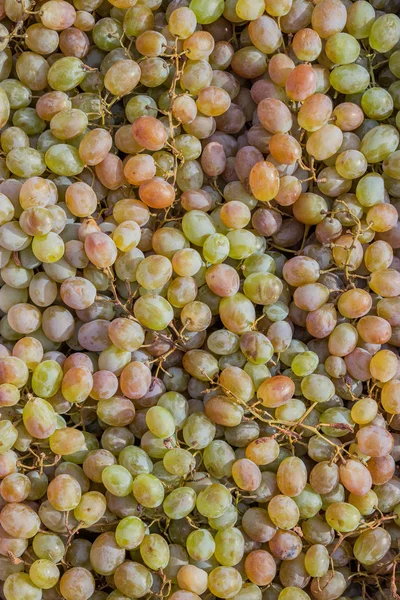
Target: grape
[(64, 492), (48, 546), (192, 578), (39, 418), (283, 512), (133, 578), (301, 83), (207, 13), (260, 567), (105, 554), (19, 520), (130, 533), (44, 574), (17, 583), (224, 582), (379, 142), (371, 546), (384, 33), (360, 19), (79, 581)]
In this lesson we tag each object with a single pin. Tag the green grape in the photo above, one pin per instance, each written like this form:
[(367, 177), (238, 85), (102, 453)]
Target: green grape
[(317, 388), (148, 490), (29, 121), (48, 248), (304, 364), (213, 501), (283, 512), (133, 579), (153, 311), (351, 164), (107, 34), (8, 436), (179, 503), (224, 582), (256, 347), (64, 159), (342, 517), (366, 504), (117, 480), (178, 461), (242, 243), (135, 460), (46, 378), (66, 73), (229, 546), (293, 593), (226, 520), (371, 545), (360, 19), (262, 288), (160, 422), (218, 458), (177, 405), (370, 190), (4, 105), (385, 33), (379, 142), (139, 106), (189, 146), (39, 418), (317, 560), (90, 509), (200, 364), (198, 431), (156, 447), (336, 495), (394, 63), (342, 48), (13, 138), (197, 227), (44, 574), (48, 546), (18, 94), (337, 415), (25, 162), (200, 545), (20, 585), (216, 248), (258, 373), (349, 79), (377, 103), (258, 263), (154, 551), (309, 502), (207, 12), (137, 19)]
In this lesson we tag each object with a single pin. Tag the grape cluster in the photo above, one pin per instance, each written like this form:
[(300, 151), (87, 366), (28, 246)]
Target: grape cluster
[(200, 299)]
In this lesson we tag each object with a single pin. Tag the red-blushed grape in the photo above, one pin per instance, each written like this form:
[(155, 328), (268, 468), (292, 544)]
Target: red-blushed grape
[(260, 567), (301, 83), (274, 115), (374, 441), (307, 44), (315, 112)]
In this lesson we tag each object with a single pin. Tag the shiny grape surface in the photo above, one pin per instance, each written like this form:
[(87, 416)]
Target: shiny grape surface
[(199, 299)]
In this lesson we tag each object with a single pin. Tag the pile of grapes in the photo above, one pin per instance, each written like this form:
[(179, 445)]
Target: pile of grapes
[(199, 300)]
